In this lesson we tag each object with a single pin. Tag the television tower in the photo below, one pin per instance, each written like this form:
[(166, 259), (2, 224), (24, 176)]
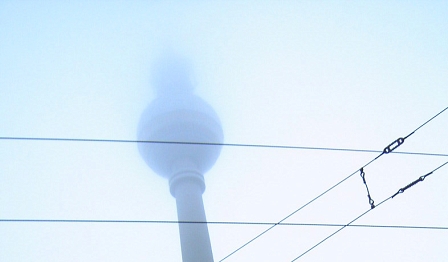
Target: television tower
[(182, 119)]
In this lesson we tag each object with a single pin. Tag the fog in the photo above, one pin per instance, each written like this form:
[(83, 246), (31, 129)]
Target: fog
[(306, 74)]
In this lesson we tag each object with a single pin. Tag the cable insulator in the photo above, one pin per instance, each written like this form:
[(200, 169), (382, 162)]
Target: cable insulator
[(393, 145)]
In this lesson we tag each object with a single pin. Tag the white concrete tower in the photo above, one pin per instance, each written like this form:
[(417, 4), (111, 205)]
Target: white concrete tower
[(178, 115)]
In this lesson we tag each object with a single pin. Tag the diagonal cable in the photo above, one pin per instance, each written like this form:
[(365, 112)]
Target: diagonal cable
[(358, 217), (391, 147)]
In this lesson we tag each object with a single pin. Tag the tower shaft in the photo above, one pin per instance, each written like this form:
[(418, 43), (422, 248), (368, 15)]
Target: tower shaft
[(187, 188)]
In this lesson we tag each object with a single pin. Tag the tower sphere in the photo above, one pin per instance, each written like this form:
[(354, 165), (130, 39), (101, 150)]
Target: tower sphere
[(177, 116)]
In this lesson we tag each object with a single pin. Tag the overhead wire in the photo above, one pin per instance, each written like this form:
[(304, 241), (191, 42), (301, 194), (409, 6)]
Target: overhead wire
[(243, 223), (55, 139), (358, 217), (389, 149)]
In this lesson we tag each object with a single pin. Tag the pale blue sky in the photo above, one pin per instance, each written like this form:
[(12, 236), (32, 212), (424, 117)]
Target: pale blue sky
[(303, 73)]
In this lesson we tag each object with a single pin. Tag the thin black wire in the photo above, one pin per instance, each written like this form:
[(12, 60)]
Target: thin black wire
[(213, 144), (107, 221), (249, 145), (339, 230), (328, 190), (428, 121), (358, 217), (291, 214), (437, 168)]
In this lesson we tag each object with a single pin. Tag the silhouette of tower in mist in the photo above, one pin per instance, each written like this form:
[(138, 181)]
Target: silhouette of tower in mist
[(178, 115)]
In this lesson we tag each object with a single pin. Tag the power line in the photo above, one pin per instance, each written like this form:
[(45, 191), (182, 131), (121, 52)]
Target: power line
[(429, 120), (108, 221), (214, 144), (389, 149), (337, 231), (358, 217)]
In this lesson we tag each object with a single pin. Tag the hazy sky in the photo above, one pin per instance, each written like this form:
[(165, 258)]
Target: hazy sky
[(300, 73)]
